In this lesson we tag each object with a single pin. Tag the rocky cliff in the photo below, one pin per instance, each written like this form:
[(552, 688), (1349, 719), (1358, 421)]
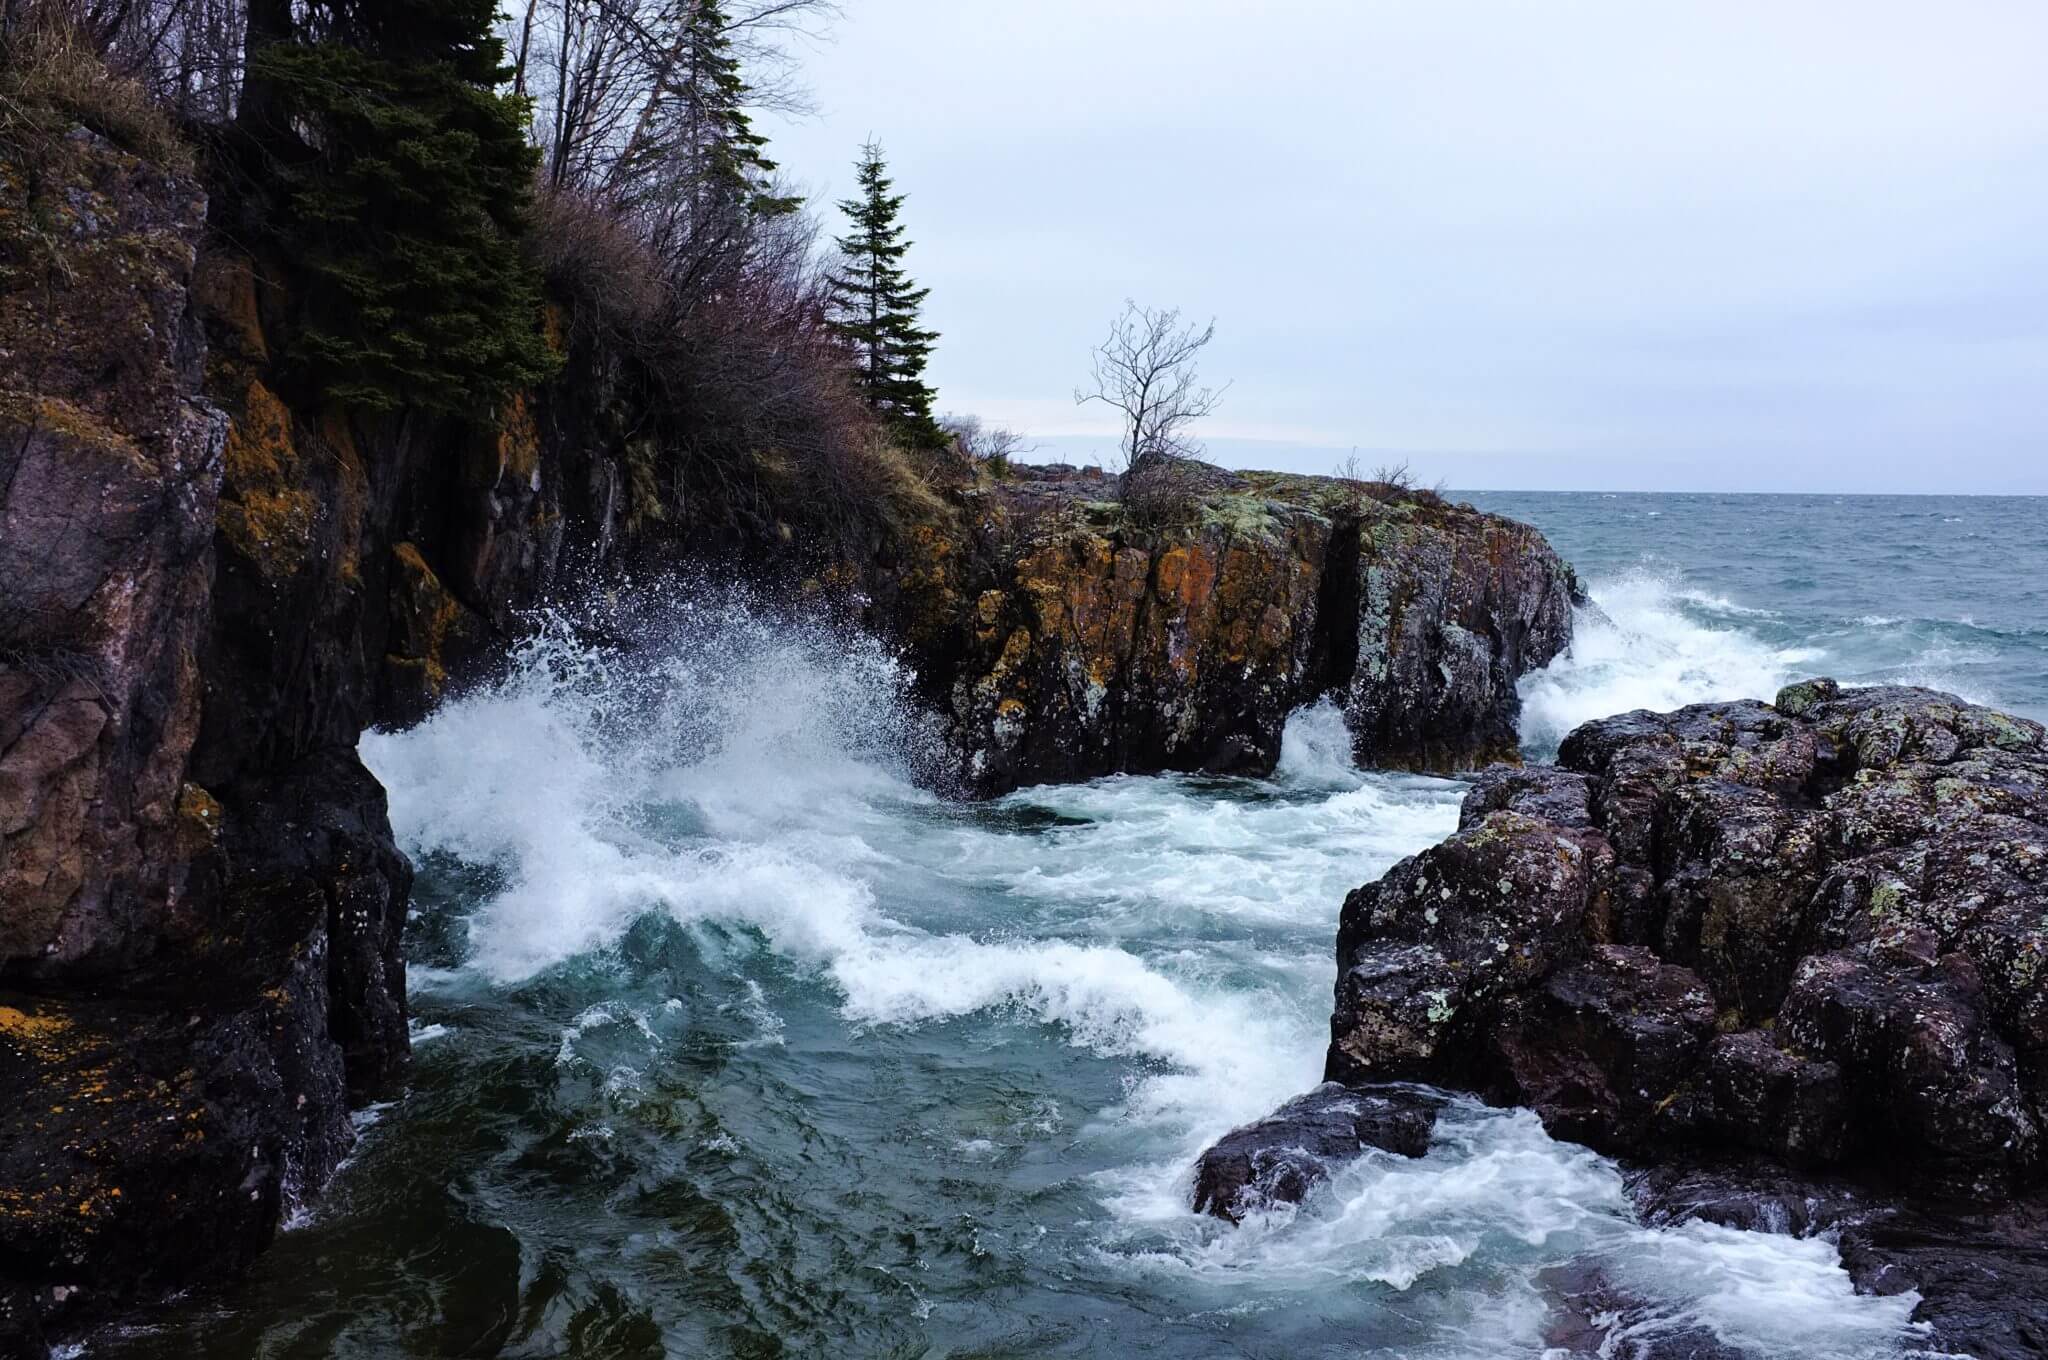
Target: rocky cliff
[(199, 913), (1791, 952), (210, 586), (1064, 641)]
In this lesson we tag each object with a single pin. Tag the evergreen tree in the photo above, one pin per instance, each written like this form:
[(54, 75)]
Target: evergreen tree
[(405, 177), (875, 307), (698, 116)]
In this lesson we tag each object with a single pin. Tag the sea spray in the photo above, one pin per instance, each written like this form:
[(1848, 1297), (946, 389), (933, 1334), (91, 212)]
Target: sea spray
[(757, 772), (782, 1016), (1650, 642)]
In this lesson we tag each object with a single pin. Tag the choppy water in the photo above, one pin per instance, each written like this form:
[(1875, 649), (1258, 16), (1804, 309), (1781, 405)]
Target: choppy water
[(732, 1041), (1718, 596)]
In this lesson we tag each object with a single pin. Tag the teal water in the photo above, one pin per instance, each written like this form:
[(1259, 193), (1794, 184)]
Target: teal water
[(731, 1041), (1721, 596)]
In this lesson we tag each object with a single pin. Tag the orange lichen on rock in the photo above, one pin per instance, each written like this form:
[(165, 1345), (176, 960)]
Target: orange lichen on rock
[(425, 614), (266, 513), (519, 441), (27, 1028), (199, 821)]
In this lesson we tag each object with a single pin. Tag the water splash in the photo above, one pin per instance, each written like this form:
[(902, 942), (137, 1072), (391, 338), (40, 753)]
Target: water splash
[(1651, 642), (736, 776)]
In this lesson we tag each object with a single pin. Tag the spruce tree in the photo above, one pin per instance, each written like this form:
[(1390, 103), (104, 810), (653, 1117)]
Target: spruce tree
[(405, 177), (874, 307)]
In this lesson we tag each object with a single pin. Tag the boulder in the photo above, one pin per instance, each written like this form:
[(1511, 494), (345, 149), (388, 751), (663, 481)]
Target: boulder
[(1278, 1159)]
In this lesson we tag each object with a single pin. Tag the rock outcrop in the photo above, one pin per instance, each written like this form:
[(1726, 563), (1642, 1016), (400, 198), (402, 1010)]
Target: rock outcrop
[(1067, 641), (167, 987), (1810, 932)]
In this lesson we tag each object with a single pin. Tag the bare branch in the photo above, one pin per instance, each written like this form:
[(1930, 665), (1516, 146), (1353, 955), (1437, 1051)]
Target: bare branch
[(1145, 371)]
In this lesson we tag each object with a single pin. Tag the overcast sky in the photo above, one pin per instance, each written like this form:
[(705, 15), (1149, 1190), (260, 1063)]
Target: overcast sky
[(1613, 244)]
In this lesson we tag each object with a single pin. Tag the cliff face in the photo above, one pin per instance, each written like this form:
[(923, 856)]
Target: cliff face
[(208, 590), (162, 1017), (1072, 643)]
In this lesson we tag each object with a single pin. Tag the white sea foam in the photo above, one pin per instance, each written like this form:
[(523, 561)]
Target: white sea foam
[(1495, 1192), (765, 788), (1645, 646)]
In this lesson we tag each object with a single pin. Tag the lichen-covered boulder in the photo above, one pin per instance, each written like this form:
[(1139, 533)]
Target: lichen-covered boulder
[(1278, 1159), (1813, 929)]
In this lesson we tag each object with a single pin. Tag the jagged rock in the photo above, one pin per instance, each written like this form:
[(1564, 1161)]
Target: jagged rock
[(200, 903), (1066, 640), (1810, 932), (1427, 948), (1600, 1042), (1279, 1158)]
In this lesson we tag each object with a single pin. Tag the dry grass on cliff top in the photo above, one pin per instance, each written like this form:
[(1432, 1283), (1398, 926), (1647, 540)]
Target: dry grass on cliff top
[(52, 80)]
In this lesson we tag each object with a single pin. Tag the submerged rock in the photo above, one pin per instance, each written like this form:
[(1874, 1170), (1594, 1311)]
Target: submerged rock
[(1982, 1272), (1278, 1159), (1592, 1316), (1812, 931)]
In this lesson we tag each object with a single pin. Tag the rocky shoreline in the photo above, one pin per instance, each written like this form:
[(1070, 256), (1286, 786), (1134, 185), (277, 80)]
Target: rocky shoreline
[(212, 591), (1785, 958)]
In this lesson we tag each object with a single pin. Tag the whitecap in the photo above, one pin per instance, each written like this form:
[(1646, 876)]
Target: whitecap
[(1638, 648)]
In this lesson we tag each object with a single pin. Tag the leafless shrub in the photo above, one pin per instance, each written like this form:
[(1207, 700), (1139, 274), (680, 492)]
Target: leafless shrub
[(1394, 484), (1164, 492), (990, 447), (603, 271)]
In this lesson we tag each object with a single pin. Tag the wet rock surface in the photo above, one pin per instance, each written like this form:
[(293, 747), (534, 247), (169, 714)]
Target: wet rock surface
[(1981, 1270), (1063, 640), (1593, 1317), (1807, 933), (1280, 1158)]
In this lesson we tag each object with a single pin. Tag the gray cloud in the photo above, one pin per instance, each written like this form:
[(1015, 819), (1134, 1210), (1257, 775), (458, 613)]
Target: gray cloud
[(1575, 243)]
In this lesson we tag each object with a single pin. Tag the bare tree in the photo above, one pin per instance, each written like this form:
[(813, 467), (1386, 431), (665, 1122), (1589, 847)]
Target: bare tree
[(612, 84), (1145, 370)]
